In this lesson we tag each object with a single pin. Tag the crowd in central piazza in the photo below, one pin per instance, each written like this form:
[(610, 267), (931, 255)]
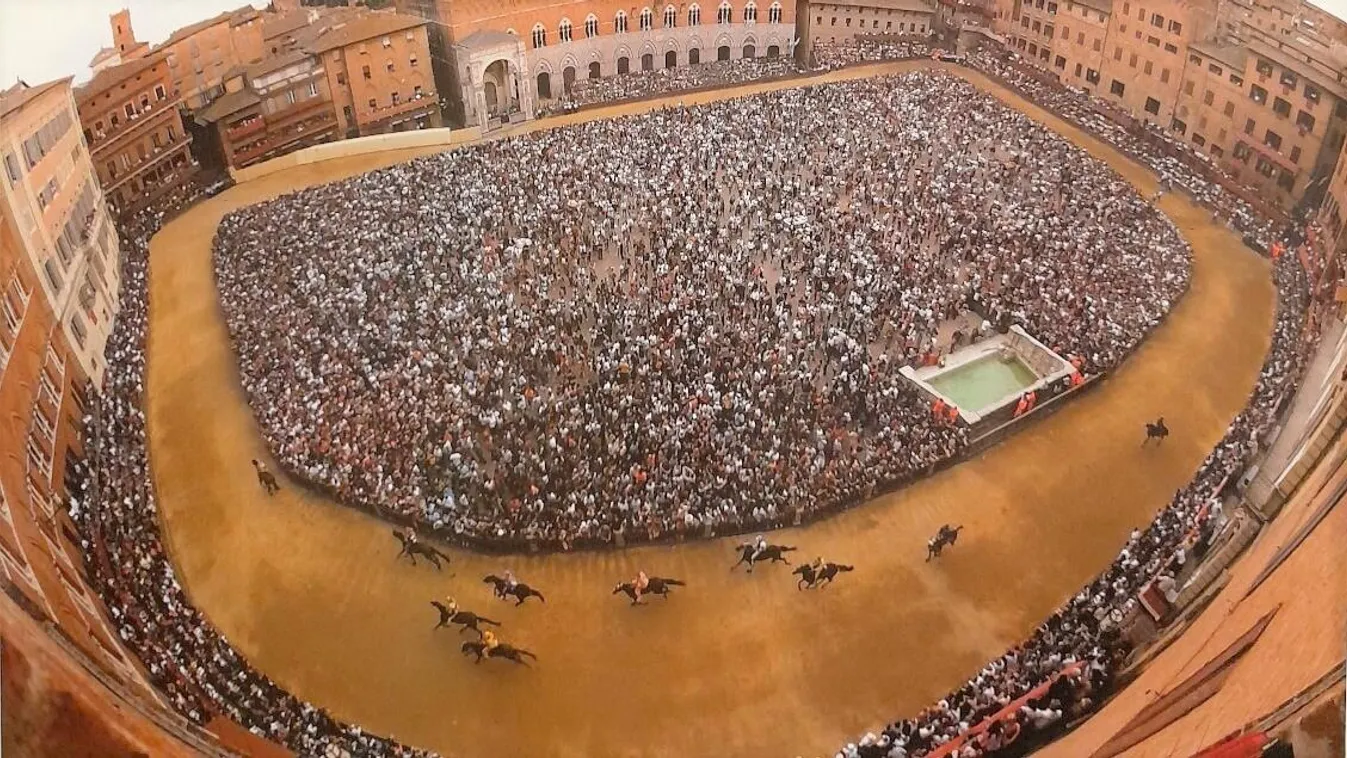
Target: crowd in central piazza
[(690, 320)]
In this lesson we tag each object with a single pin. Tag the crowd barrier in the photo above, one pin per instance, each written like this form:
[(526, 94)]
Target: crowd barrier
[(375, 143), (951, 748)]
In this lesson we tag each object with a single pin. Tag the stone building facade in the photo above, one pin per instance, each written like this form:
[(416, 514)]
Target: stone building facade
[(52, 192)]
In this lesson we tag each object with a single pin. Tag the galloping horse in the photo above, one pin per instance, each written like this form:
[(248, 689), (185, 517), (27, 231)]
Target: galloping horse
[(946, 536), (519, 591), (823, 577), (1157, 431), (465, 619), (508, 652), (657, 586), (773, 553), (412, 549)]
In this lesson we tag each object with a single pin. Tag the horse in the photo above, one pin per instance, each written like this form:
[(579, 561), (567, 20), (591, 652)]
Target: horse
[(946, 536), (508, 652), (266, 478), (1157, 431), (465, 619), (822, 578), (520, 591), (412, 549), (657, 586), (773, 553)]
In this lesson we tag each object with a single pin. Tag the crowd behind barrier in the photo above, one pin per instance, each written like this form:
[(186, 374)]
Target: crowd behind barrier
[(702, 331), (870, 49), (195, 668), (971, 721), (637, 85)]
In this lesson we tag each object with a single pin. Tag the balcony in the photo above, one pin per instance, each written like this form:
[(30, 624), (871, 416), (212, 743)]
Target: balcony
[(379, 115), (241, 131), (156, 110)]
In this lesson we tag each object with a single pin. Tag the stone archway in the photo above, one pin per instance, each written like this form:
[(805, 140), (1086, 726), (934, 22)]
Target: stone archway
[(670, 59), (497, 90), (648, 62), (694, 56), (773, 52), (544, 82), (595, 70), (623, 65), (568, 79), (750, 51), (723, 53)]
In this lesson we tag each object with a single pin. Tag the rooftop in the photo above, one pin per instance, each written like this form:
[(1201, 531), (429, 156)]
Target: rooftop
[(231, 102), (1234, 56), (1103, 6), (915, 6), (234, 17), (484, 38), (20, 94), (280, 25), (109, 76), (366, 27)]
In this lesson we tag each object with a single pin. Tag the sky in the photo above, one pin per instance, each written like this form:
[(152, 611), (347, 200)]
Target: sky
[(42, 40), (48, 39)]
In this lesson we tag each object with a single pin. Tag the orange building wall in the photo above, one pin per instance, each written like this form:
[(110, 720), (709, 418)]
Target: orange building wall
[(197, 63), (402, 49)]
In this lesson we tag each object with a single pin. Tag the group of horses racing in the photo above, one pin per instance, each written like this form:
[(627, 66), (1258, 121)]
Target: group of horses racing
[(814, 575)]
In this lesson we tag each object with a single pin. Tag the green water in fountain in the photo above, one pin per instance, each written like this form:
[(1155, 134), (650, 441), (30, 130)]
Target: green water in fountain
[(980, 383)]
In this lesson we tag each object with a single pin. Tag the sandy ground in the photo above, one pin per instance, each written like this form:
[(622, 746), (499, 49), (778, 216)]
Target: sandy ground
[(734, 664)]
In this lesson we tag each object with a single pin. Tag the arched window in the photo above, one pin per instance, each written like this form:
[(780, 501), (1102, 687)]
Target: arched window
[(750, 13), (774, 14), (694, 15), (539, 36), (670, 17), (724, 14), (591, 26), (564, 30), (647, 19), (620, 23)]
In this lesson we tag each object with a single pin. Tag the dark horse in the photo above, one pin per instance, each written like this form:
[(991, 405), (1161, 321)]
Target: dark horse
[(519, 591), (822, 578), (773, 553), (413, 549), (946, 536), (508, 652), (657, 586), (1157, 431), (464, 619)]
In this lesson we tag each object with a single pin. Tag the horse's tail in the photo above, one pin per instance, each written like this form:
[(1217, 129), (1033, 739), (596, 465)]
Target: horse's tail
[(788, 548), (538, 595), (486, 620), (844, 567), (438, 552), (675, 583)]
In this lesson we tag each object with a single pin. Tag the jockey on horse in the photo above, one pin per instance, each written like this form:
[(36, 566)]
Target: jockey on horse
[(450, 607), (639, 584), (759, 547), (510, 583), (489, 642)]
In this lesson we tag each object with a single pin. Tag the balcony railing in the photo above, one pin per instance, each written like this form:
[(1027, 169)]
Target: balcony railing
[(101, 140), (243, 130)]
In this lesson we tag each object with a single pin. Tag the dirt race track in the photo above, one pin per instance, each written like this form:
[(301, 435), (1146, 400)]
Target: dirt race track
[(734, 664)]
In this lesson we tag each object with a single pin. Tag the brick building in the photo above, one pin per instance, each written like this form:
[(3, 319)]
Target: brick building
[(52, 193), (130, 118), (42, 377), (843, 21), (199, 56), (379, 72), (1255, 86), (485, 76)]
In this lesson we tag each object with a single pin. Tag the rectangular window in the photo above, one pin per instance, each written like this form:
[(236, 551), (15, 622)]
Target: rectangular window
[(1305, 121), (1242, 152), (77, 328), (388, 65), (416, 92), (397, 98), (1092, 76), (341, 79), (1152, 105), (1132, 60), (1175, 27), (1188, 87), (1153, 41), (1170, 48), (1272, 139), (159, 93), (386, 42), (1178, 126), (1295, 154), (1164, 76), (1289, 79), (412, 61), (1148, 68), (290, 97), (1264, 68), (1116, 88), (1216, 150), (1078, 68), (1060, 62), (1264, 166), (1098, 45), (1208, 97), (1249, 126), (1311, 93), (364, 71), (1286, 180), (373, 103), (1199, 140), (313, 89), (1117, 53), (12, 169), (1229, 109), (1281, 107), (1157, 20), (1258, 94)]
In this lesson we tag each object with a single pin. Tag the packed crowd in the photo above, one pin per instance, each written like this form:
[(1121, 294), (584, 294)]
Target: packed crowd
[(1173, 160), (829, 55), (1084, 632), (188, 661), (666, 81), (702, 330)]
